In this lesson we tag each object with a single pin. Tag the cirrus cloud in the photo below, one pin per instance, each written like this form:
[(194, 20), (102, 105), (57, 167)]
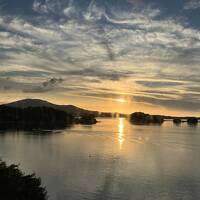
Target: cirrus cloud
[(91, 45)]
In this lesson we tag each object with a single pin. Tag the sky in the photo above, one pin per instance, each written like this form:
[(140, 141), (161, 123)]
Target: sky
[(106, 55)]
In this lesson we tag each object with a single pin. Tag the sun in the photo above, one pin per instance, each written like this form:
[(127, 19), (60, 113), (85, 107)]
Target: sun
[(121, 100)]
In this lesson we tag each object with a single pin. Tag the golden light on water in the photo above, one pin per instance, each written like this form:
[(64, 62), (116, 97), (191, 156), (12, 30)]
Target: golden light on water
[(121, 132)]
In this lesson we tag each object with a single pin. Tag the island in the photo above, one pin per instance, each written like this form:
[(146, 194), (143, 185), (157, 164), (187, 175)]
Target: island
[(143, 118), (34, 118), (29, 114), (192, 120), (34, 114), (177, 121), (88, 119)]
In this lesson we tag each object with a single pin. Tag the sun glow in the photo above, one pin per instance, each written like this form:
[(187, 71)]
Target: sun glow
[(121, 100), (121, 132)]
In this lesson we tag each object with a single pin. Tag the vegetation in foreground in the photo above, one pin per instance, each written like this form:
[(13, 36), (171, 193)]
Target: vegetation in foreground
[(14, 185)]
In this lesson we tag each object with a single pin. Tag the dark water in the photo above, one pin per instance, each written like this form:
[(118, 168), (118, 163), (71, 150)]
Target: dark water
[(111, 160)]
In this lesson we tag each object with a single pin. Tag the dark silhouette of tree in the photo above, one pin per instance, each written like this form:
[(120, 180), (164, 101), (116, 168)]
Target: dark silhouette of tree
[(33, 117), (142, 118), (15, 185), (177, 121), (87, 119), (192, 120), (157, 119)]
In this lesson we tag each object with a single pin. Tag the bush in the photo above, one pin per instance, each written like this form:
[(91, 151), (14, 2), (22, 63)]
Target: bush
[(142, 118), (15, 185), (192, 120)]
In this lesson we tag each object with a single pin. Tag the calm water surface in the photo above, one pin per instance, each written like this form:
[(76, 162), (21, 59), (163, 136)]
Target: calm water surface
[(111, 160)]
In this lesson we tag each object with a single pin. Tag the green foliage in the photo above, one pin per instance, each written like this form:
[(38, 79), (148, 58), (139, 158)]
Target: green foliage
[(14, 185)]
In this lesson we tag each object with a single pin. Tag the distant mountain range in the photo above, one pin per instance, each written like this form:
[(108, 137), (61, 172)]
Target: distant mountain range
[(25, 103)]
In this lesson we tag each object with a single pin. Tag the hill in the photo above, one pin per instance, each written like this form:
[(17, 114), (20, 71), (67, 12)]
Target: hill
[(73, 110), (31, 118)]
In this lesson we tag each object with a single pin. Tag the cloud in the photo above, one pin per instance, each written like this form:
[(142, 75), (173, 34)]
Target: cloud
[(112, 75), (46, 86), (159, 84), (19, 73), (10, 84), (135, 1), (101, 95), (91, 44), (105, 41), (192, 5), (39, 7), (178, 104)]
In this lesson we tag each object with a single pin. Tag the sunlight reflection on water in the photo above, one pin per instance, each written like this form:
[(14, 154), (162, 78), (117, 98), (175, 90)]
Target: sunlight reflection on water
[(121, 132), (112, 160)]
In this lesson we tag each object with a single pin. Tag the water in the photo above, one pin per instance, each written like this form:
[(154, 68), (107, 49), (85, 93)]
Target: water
[(112, 160)]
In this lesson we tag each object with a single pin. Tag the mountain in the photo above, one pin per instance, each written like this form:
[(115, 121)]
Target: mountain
[(25, 103)]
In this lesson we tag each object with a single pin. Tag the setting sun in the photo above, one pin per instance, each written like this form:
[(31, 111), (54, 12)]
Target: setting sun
[(121, 100), (99, 90)]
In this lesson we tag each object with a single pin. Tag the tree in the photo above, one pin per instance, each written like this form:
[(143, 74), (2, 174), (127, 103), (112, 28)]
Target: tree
[(192, 120), (15, 185)]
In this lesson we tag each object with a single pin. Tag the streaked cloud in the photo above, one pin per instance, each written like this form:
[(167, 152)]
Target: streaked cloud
[(46, 86), (192, 5), (130, 46), (159, 84)]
